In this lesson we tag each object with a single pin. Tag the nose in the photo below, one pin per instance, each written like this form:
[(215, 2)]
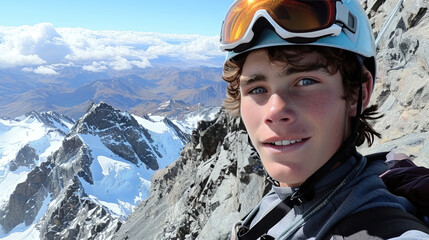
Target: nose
[(278, 110)]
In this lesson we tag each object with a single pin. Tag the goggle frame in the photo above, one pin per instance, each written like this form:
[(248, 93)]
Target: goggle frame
[(344, 18)]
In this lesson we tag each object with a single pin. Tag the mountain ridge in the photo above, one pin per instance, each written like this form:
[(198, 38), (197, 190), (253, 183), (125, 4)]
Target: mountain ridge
[(98, 173)]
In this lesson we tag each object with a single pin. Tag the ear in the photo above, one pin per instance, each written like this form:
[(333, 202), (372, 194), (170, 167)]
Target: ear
[(366, 93)]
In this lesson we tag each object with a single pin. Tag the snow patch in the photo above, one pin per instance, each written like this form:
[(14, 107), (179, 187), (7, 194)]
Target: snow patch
[(118, 184), (22, 232), (8, 181), (166, 139), (191, 120)]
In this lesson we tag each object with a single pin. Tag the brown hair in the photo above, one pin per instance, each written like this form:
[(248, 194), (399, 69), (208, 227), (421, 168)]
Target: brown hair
[(292, 55)]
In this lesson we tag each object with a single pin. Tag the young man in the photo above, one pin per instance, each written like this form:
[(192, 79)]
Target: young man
[(300, 76)]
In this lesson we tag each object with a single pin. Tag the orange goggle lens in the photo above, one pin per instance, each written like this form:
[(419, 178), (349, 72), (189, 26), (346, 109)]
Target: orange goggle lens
[(291, 15)]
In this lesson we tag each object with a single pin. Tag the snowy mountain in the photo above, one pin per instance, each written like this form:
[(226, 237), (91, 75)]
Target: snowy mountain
[(25, 143), (79, 180)]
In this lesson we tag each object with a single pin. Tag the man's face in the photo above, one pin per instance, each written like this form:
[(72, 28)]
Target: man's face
[(296, 119)]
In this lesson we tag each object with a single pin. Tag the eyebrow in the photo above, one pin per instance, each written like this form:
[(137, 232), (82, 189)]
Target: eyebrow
[(244, 81), (313, 67)]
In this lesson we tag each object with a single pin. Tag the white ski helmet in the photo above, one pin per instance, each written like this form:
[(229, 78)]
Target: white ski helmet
[(255, 24)]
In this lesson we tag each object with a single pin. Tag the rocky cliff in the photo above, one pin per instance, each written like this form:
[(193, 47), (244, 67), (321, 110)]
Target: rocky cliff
[(402, 88), (217, 179)]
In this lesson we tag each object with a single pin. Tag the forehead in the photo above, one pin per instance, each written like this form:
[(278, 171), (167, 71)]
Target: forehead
[(296, 55), (291, 60)]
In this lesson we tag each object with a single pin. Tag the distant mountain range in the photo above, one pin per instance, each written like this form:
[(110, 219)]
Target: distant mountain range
[(140, 91)]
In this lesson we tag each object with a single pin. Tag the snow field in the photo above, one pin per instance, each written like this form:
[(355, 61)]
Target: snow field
[(117, 182)]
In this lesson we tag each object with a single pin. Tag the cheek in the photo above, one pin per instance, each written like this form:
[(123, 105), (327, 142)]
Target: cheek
[(325, 109), (318, 103)]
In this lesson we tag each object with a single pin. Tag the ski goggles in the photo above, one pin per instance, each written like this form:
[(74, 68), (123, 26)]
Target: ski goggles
[(293, 20)]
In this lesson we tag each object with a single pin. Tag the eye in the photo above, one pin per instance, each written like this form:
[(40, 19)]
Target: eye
[(258, 90), (306, 81)]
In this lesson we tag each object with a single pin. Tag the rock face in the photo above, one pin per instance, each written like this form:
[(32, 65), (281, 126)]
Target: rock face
[(26, 157), (218, 179), (77, 217), (26, 200), (402, 88)]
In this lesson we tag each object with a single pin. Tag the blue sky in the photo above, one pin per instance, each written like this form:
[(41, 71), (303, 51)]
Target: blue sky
[(202, 17), (48, 36)]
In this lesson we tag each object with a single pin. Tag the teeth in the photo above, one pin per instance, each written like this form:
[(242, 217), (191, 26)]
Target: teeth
[(286, 142)]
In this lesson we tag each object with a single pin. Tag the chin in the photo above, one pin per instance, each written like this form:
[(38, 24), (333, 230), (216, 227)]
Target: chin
[(286, 175)]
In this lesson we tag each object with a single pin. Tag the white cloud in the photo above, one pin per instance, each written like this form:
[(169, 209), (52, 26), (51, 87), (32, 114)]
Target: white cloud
[(46, 49), (142, 63), (95, 67), (120, 64), (40, 43), (10, 58), (43, 70)]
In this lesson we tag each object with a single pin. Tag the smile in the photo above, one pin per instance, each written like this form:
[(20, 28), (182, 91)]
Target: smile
[(285, 142)]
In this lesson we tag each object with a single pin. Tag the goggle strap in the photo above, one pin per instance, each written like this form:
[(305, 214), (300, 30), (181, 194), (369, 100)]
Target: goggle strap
[(346, 17)]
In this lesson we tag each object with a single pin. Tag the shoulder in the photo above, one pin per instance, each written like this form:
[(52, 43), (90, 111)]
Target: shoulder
[(379, 223)]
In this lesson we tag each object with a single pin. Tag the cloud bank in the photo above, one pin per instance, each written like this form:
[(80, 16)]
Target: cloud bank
[(44, 49)]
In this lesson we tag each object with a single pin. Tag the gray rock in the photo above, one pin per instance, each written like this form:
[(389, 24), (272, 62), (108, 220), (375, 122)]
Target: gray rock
[(25, 157), (77, 217), (25, 202), (402, 88)]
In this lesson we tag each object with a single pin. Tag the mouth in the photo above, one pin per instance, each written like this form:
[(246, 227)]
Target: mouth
[(285, 142), (284, 145)]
